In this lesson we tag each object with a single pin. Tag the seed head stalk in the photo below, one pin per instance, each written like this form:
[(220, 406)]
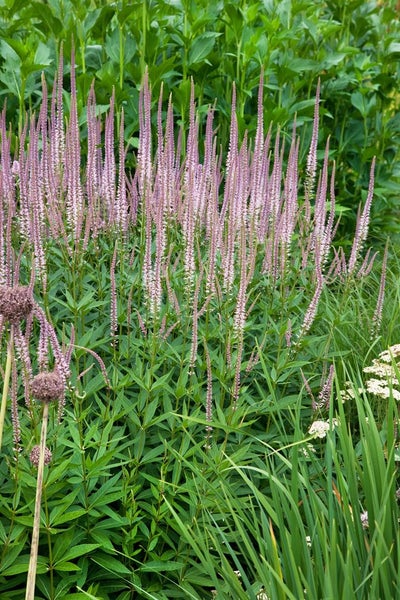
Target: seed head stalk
[(6, 384), (30, 584)]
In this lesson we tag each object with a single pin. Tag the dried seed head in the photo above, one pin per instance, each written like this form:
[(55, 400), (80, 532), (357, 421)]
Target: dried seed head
[(47, 387), (35, 453), (16, 302)]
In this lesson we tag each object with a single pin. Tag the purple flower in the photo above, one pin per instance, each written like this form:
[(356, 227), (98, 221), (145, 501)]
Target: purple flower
[(47, 386)]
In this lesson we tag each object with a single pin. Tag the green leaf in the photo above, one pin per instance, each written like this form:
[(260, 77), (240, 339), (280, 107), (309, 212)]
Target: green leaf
[(111, 564), (79, 550), (158, 566), (66, 566), (394, 48), (21, 565), (201, 47), (69, 516), (359, 102)]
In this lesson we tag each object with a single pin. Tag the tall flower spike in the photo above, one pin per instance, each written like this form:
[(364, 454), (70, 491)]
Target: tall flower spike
[(93, 170), (312, 154), (75, 212), (144, 168), (108, 180), (191, 193), (209, 399), (113, 299), (325, 394), (121, 208), (377, 318), (57, 134), (362, 224)]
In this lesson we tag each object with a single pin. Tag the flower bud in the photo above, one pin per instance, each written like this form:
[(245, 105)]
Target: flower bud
[(35, 454)]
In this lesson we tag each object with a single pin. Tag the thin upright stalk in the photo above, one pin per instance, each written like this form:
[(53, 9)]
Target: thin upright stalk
[(30, 583), (6, 384)]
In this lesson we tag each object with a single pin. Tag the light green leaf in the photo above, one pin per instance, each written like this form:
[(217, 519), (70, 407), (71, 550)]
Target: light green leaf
[(66, 566)]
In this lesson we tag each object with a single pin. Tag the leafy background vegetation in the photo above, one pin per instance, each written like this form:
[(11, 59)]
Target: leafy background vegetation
[(141, 500)]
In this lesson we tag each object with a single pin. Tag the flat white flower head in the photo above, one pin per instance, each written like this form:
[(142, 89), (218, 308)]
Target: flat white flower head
[(319, 429), (390, 354), (379, 387)]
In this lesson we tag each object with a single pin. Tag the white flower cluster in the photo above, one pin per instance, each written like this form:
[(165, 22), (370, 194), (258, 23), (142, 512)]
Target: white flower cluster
[(383, 381), (388, 355), (349, 392), (319, 429), (307, 450), (262, 595), (364, 519), (378, 387)]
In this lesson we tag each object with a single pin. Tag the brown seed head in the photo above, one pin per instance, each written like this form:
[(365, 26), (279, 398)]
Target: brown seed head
[(47, 387), (35, 454), (16, 302)]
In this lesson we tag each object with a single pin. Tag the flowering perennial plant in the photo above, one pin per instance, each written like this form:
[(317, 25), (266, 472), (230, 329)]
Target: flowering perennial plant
[(215, 258)]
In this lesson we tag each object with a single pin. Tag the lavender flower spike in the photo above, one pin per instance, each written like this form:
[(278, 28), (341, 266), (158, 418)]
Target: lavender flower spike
[(362, 224)]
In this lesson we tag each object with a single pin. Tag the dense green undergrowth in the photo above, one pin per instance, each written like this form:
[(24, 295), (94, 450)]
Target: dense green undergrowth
[(141, 500)]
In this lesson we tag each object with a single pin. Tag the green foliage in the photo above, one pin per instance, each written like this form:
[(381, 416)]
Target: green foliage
[(141, 502)]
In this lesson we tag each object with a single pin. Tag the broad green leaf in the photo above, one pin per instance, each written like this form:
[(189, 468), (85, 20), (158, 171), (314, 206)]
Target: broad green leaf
[(201, 47)]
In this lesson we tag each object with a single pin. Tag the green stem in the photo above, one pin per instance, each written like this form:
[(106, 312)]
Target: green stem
[(121, 59), (144, 40), (6, 384), (30, 583)]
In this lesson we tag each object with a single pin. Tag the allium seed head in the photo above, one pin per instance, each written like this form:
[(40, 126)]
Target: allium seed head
[(35, 453), (16, 302), (47, 387)]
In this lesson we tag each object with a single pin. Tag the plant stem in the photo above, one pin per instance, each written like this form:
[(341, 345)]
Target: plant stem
[(6, 384), (30, 583)]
